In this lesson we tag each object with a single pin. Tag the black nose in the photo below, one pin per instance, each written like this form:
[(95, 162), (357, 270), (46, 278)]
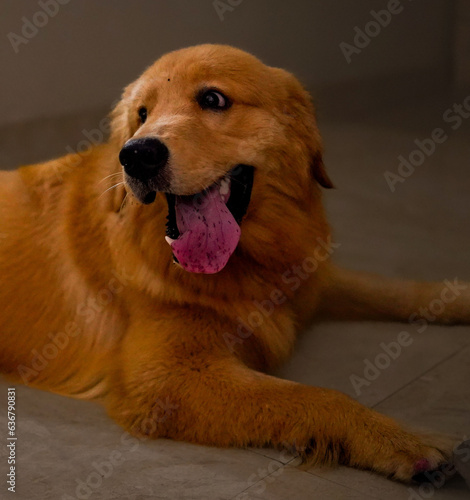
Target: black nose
[(143, 158)]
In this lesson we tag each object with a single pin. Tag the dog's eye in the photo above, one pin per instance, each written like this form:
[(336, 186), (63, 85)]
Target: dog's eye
[(212, 99), (143, 114)]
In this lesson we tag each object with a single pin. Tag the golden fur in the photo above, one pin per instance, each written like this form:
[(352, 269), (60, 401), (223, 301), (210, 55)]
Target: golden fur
[(92, 305)]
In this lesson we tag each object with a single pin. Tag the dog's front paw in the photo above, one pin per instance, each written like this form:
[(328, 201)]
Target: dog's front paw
[(415, 459)]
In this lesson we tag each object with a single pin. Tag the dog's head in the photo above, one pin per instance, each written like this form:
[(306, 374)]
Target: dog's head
[(226, 138)]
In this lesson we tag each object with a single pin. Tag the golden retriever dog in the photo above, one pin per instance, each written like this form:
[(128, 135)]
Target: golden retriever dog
[(166, 271)]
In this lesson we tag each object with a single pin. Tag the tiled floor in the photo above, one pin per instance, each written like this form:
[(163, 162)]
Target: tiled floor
[(65, 447)]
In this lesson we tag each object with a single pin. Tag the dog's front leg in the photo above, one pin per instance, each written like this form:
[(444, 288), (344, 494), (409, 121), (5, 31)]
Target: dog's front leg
[(187, 387)]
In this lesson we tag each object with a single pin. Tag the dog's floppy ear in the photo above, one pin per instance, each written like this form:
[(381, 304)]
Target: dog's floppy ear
[(314, 141), (318, 170), (300, 107), (120, 123)]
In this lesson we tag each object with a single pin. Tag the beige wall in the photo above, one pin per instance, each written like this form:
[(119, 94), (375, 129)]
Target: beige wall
[(90, 49)]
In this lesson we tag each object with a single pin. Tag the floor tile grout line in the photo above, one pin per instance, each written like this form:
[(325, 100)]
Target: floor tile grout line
[(343, 485), (455, 353), (269, 457), (283, 467)]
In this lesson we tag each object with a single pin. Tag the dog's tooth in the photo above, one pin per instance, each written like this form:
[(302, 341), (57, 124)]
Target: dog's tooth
[(224, 187), (169, 240)]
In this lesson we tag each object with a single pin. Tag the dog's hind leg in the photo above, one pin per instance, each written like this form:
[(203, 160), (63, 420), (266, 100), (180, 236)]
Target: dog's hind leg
[(353, 295)]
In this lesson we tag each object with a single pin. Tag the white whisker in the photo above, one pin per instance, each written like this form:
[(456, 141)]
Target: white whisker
[(123, 201), (109, 176), (112, 187)]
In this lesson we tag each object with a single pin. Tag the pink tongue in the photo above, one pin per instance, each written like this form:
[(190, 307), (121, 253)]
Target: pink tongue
[(208, 232)]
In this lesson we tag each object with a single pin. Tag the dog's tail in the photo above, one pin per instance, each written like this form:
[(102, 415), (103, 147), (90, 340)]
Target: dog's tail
[(353, 295)]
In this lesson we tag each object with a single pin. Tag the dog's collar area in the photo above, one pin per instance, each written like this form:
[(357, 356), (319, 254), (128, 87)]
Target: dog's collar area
[(203, 230)]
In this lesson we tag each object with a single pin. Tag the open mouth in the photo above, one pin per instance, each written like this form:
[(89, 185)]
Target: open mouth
[(203, 230)]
